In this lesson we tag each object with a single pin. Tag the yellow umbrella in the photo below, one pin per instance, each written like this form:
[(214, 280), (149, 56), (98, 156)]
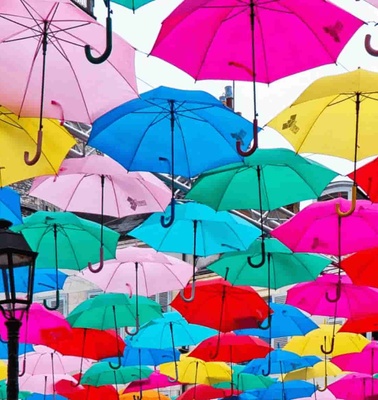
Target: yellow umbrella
[(147, 395), (19, 136), (337, 116), (3, 370), (322, 338), (195, 371)]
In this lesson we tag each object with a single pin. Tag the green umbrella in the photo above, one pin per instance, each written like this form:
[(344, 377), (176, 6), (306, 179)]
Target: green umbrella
[(252, 382), (282, 176), (66, 241), (283, 266), (3, 392), (132, 4), (101, 374), (236, 370)]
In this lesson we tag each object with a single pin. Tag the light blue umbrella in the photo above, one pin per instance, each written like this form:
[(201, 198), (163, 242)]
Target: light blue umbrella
[(179, 132), (22, 349), (197, 230), (286, 320), (10, 205), (285, 391)]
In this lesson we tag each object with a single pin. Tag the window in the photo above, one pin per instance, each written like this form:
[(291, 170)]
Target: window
[(163, 299), (63, 303)]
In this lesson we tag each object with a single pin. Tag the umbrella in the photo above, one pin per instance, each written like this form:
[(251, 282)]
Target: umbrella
[(355, 386), (26, 348), (286, 390), (285, 321), (10, 205), (206, 392), (236, 381), (155, 381), (321, 339), (43, 384), (3, 392), (365, 361), (236, 186), (66, 241), (326, 395), (132, 5), (147, 395), (336, 116), (247, 382), (195, 371), (54, 149), (197, 230), (366, 179), (170, 131), (231, 348), (99, 185), (52, 41), (244, 41), (362, 324)]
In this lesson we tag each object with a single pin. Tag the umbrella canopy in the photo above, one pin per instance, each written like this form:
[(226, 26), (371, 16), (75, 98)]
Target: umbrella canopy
[(77, 239), (312, 343), (206, 392), (286, 320), (10, 205), (3, 373), (132, 4), (355, 386), (365, 362), (229, 347), (313, 297), (221, 306), (367, 180), (317, 229), (155, 272), (102, 374), (83, 184), (236, 186), (247, 382), (288, 390), (43, 384), (195, 371), (155, 381), (318, 370), (147, 395), (169, 331), (361, 324), (225, 34), (285, 266), (3, 392), (171, 128)]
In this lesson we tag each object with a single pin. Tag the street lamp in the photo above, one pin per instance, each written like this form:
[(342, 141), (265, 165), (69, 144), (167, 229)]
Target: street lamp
[(14, 253)]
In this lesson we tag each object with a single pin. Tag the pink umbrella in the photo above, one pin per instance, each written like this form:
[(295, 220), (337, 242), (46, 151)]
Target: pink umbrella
[(43, 384), (318, 395), (155, 381), (355, 386), (318, 228), (317, 297), (365, 362), (152, 271), (53, 78)]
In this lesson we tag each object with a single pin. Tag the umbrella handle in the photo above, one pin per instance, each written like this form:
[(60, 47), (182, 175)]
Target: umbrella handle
[(174, 380), (57, 301), (22, 373), (325, 385), (193, 293), (38, 152), (263, 258), (352, 207), (167, 224), (368, 47), (330, 351), (130, 289), (255, 142), (109, 41), (137, 328), (267, 373), (268, 325), (118, 366), (101, 264), (338, 294), (3, 341)]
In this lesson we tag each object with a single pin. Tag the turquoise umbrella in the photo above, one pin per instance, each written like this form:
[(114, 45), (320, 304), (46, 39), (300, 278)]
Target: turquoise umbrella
[(132, 4), (198, 230)]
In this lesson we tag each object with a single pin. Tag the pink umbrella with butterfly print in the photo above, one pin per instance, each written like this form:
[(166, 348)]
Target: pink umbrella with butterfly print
[(99, 185)]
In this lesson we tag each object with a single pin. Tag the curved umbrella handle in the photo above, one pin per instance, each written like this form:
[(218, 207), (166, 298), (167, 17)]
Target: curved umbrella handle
[(338, 294), (323, 348), (352, 207), (268, 325), (263, 258), (193, 293), (368, 47), (171, 219), (137, 328), (255, 142), (101, 264), (130, 289), (3, 341), (325, 385), (22, 373), (57, 301), (174, 380), (109, 41), (118, 366), (267, 373), (38, 152)]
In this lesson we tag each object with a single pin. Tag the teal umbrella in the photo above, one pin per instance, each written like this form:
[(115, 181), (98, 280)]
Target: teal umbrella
[(132, 4), (63, 240)]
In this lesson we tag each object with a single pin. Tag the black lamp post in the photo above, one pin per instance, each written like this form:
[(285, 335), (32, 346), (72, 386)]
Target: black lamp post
[(14, 253)]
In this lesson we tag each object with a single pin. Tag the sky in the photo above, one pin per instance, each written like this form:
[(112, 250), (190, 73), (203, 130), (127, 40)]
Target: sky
[(141, 30)]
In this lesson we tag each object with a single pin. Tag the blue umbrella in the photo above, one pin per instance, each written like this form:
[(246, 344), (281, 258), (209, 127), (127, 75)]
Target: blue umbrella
[(22, 349), (10, 205), (285, 391), (285, 321), (179, 132), (279, 362), (39, 396), (197, 230)]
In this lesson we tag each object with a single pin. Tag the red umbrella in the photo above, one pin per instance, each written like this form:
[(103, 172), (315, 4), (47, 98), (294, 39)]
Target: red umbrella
[(219, 305), (367, 179), (361, 267), (365, 323), (205, 392), (231, 348)]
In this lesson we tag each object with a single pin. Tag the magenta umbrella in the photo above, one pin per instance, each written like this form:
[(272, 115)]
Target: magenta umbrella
[(355, 386), (365, 362), (155, 381), (253, 40), (44, 71)]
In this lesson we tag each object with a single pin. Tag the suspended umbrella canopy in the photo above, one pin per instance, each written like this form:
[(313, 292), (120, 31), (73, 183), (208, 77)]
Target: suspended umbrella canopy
[(147, 395), (355, 386), (362, 324), (195, 371), (99, 185), (287, 390), (3, 392), (43, 384), (236, 370), (132, 4), (231, 348), (237, 186), (366, 179), (3, 373), (206, 392), (10, 205), (155, 381), (285, 266), (321, 369)]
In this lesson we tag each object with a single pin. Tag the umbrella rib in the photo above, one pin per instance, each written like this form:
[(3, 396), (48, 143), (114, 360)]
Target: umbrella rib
[(110, 179), (266, 64), (225, 191), (178, 123), (74, 191)]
